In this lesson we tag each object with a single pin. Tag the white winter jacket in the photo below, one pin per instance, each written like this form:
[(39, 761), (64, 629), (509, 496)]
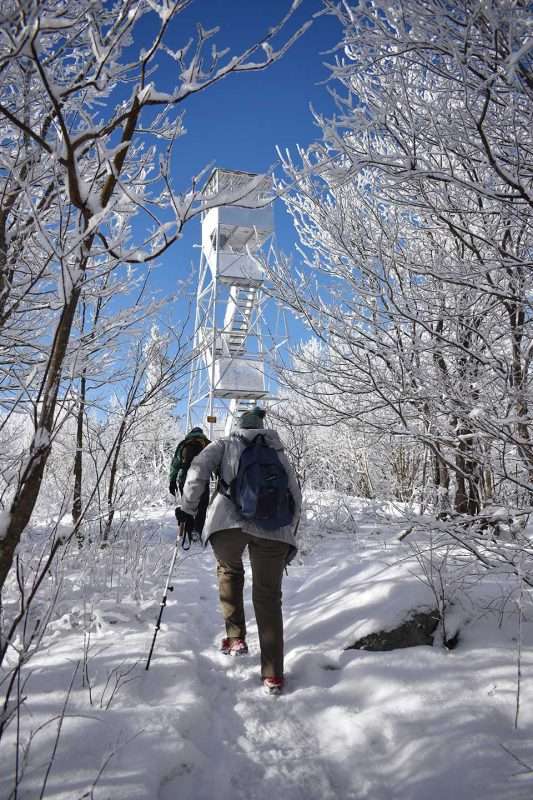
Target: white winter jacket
[(221, 458)]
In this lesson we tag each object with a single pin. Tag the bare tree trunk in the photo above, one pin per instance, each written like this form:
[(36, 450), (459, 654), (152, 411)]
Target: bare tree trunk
[(30, 480), (442, 481), (112, 480), (468, 476), (519, 375), (461, 493), (78, 458)]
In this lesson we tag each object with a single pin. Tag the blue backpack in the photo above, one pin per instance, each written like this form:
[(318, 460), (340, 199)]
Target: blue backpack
[(260, 489)]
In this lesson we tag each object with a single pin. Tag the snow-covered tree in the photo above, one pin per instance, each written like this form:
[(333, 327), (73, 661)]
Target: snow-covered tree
[(414, 215), (87, 138)]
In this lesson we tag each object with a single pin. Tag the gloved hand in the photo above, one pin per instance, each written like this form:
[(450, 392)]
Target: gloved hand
[(172, 486), (187, 520)]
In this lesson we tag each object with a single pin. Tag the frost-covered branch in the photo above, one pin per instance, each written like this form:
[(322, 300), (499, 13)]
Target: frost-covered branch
[(84, 123)]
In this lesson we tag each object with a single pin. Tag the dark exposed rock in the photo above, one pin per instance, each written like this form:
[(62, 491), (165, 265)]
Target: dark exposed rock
[(452, 642), (416, 630)]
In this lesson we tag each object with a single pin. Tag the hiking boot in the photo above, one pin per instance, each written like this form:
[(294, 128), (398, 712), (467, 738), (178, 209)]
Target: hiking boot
[(234, 647), (273, 685)]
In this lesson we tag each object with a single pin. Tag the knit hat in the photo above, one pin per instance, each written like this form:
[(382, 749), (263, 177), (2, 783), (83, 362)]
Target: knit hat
[(253, 418)]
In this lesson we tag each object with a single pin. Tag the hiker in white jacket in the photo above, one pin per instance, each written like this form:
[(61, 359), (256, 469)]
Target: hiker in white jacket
[(229, 533)]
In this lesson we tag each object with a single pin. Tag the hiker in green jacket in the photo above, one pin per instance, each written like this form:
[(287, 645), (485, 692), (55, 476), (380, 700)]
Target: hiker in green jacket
[(193, 444)]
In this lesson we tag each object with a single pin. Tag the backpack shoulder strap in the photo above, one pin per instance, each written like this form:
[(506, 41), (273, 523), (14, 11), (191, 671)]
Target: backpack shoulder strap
[(223, 487)]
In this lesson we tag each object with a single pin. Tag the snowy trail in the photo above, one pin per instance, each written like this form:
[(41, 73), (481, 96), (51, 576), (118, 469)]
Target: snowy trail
[(402, 725), (251, 746), (356, 726)]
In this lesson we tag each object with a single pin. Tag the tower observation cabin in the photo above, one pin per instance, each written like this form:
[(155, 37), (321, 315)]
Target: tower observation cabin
[(228, 375)]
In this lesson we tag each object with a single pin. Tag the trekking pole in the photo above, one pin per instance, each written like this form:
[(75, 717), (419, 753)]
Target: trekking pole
[(168, 588)]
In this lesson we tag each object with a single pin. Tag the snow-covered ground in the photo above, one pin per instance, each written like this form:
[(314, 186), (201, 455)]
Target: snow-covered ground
[(414, 724)]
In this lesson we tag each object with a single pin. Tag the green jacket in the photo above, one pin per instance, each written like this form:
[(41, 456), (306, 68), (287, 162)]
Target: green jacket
[(186, 451)]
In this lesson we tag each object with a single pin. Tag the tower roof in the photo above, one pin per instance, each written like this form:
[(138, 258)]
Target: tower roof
[(243, 188)]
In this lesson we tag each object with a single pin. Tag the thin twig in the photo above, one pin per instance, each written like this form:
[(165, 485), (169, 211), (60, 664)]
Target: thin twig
[(90, 794), (58, 733), (518, 760)]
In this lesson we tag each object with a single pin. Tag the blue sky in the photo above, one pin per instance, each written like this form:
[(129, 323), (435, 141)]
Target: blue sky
[(239, 122)]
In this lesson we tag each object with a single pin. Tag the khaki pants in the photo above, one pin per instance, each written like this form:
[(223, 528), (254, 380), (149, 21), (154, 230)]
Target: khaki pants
[(267, 559)]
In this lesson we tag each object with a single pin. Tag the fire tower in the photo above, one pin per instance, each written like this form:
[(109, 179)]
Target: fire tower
[(228, 374)]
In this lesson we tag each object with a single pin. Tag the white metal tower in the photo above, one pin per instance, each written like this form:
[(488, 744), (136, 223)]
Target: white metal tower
[(229, 369)]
